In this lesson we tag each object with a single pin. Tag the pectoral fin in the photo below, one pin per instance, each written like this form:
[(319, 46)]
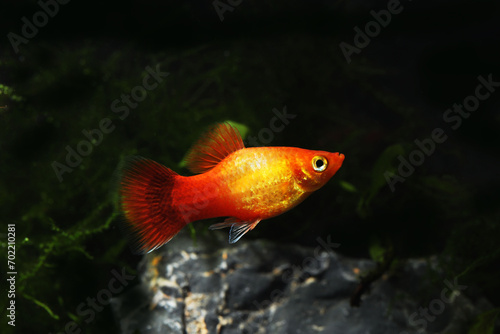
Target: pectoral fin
[(238, 228)]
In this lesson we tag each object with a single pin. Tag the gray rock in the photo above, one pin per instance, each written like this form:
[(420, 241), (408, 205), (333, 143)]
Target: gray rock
[(257, 286)]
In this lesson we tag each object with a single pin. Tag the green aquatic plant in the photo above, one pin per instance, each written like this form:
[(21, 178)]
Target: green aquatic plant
[(9, 93), (385, 163), (60, 242), (485, 322)]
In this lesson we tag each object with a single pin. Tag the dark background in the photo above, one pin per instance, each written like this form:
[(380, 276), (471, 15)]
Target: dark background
[(261, 56)]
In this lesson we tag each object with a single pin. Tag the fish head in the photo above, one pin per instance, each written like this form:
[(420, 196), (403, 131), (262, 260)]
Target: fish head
[(313, 169)]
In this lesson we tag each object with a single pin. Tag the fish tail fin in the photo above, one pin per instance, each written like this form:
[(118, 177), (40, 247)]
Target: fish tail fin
[(149, 217)]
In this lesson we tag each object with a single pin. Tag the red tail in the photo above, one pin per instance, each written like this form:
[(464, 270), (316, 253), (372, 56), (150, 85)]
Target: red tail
[(145, 192)]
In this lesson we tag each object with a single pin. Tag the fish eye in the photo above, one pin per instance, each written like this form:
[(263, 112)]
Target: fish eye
[(319, 163)]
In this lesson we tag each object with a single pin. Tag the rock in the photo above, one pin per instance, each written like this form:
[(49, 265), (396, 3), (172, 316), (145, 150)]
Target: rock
[(257, 286)]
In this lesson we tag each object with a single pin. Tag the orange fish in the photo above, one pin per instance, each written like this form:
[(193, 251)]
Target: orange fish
[(245, 184)]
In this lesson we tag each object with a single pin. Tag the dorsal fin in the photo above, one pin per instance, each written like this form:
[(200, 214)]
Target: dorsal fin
[(212, 147)]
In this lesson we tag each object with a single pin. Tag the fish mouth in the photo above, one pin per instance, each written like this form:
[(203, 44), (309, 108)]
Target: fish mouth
[(339, 157)]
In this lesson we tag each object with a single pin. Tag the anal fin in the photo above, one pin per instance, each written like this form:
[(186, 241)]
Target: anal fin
[(238, 228)]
